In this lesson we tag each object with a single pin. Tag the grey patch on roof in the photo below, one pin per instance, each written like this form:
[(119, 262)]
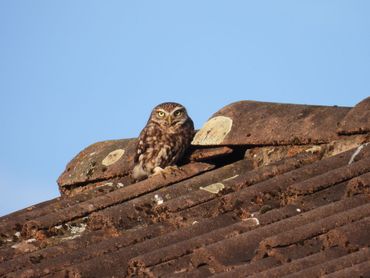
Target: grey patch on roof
[(314, 149), (113, 157), (213, 131), (158, 199), (24, 246), (213, 188), (253, 221), (120, 185), (231, 178)]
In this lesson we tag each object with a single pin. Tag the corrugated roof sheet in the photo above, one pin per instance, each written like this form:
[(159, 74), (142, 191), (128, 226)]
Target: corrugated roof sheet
[(247, 206)]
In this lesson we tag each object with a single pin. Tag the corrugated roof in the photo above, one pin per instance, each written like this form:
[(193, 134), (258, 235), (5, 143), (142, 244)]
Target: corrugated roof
[(248, 205)]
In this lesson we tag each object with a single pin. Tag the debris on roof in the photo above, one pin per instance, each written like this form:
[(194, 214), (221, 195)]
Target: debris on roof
[(266, 190)]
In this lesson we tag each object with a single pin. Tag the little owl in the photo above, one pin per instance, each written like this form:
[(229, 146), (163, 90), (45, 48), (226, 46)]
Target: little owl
[(163, 141)]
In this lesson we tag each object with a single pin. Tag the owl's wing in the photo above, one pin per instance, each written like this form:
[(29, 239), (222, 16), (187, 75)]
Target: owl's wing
[(140, 146)]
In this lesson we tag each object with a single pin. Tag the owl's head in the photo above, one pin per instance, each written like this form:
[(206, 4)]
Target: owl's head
[(169, 114)]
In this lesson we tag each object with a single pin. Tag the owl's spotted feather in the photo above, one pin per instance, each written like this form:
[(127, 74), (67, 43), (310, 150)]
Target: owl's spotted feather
[(164, 139)]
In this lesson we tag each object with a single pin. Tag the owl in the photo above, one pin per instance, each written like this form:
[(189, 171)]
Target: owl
[(163, 141)]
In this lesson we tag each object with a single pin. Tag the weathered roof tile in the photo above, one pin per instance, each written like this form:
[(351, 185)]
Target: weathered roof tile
[(263, 123), (103, 160)]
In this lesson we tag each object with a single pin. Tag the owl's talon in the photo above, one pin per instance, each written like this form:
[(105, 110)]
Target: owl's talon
[(159, 171), (171, 168), (168, 170)]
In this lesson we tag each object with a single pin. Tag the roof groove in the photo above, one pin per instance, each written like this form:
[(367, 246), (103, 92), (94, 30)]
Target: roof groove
[(335, 264), (248, 242)]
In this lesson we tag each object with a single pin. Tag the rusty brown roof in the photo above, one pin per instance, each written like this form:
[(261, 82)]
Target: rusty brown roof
[(267, 190)]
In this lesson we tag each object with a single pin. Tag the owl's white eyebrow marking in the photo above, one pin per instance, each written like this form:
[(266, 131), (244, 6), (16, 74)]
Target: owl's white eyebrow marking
[(177, 109), (160, 109)]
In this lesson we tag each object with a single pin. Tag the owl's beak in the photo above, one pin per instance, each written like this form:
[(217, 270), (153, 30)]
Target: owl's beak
[(169, 120)]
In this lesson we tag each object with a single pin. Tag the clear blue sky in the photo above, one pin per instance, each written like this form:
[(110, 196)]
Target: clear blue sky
[(76, 72)]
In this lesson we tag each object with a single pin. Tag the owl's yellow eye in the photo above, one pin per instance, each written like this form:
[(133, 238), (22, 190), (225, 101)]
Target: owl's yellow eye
[(160, 114), (177, 113)]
